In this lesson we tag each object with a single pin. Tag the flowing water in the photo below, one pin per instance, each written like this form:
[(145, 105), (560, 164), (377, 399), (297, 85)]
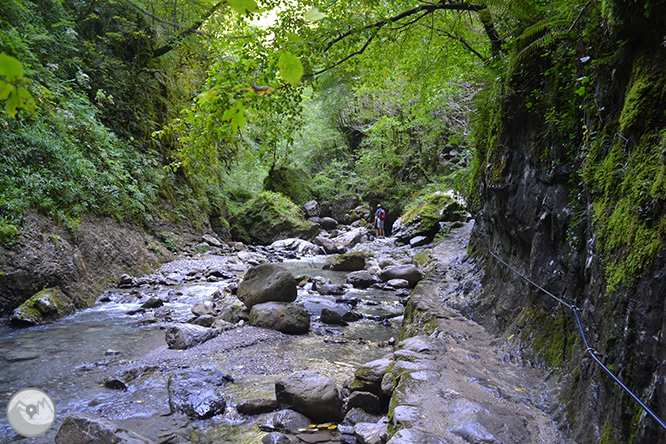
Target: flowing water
[(70, 358)]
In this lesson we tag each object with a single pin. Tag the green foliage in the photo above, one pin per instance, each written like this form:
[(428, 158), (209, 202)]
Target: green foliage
[(293, 183), (13, 86)]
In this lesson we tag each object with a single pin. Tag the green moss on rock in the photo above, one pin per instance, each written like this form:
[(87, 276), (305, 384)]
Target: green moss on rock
[(46, 306), (293, 183), (269, 217)]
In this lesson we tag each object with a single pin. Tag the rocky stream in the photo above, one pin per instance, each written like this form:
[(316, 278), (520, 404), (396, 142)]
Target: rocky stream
[(366, 353)]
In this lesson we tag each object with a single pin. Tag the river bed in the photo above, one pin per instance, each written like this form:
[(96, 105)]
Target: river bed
[(71, 358)]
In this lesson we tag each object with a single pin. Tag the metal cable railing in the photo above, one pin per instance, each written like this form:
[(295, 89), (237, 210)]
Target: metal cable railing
[(588, 349)]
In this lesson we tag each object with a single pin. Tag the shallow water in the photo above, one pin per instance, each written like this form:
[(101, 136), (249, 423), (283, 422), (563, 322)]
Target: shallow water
[(68, 358)]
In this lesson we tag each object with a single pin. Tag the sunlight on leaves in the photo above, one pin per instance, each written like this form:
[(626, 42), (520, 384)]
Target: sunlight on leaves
[(314, 15), (290, 67), (243, 7)]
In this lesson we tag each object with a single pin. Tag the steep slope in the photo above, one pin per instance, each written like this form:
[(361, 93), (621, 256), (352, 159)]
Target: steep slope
[(572, 195)]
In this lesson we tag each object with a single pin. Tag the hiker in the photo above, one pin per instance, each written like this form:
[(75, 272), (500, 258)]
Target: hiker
[(380, 215)]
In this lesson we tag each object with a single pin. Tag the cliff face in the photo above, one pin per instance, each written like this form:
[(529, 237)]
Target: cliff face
[(572, 195)]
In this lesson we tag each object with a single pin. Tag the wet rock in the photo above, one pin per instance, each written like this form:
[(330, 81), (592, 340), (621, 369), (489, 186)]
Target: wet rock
[(405, 416), (312, 209), (368, 377), (267, 282), (418, 241), (211, 240), (411, 436), (371, 433), (332, 289), (310, 394), (275, 438), (184, 336), (327, 244), (298, 245), (328, 223), (285, 317), (82, 428), (408, 272), (197, 392), (357, 415), (221, 325), (349, 239), (204, 321), (257, 406), (287, 421), (44, 307), (114, 384), (204, 308), (332, 317), (347, 262), (126, 281), (341, 207), (368, 402), (153, 302), (398, 283), (360, 279)]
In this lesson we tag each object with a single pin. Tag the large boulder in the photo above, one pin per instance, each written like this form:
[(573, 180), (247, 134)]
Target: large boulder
[(311, 394), (407, 272), (293, 183), (281, 316), (269, 217), (347, 240), (327, 244), (360, 279), (354, 261), (46, 306), (83, 428), (341, 208), (298, 245), (312, 209), (424, 215), (184, 336), (265, 283), (197, 392)]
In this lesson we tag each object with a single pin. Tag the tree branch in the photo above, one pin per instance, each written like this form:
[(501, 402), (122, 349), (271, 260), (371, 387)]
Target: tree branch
[(339, 62)]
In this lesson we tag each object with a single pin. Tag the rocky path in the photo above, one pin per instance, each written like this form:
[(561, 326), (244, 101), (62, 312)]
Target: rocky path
[(451, 383)]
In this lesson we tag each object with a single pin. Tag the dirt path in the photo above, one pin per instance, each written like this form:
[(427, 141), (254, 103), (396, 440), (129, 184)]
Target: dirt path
[(454, 386)]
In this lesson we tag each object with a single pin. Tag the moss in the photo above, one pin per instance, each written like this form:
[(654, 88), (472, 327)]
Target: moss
[(646, 89), (608, 435), (293, 183), (8, 234)]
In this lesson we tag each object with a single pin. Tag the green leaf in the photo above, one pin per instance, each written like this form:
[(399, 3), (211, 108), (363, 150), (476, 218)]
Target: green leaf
[(290, 67), (10, 68), (5, 89), (12, 103), (295, 38), (235, 117), (314, 15), (25, 99), (243, 7)]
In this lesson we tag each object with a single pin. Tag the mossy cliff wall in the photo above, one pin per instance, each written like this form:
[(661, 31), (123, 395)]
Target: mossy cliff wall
[(573, 194)]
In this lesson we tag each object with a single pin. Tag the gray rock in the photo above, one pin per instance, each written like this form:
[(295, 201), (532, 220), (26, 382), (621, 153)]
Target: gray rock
[(368, 377), (360, 279), (310, 394), (327, 244), (267, 282), (398, 283), (197, 392), (347, 262), (418, 241), (328, 223), (347, 240), (287, 421), (204, 308), (275, 438), (332, 289), (46, 306), (285, 317), (371, 433), (357, 415), (211, 240), (408, 272), (298, 245), (184, 336), (411, 436), (368, 402), (82, 428), (406, 416), (257, 406), (332, 317), (221, 325), (204, 321), (153, 302), (312, 209)]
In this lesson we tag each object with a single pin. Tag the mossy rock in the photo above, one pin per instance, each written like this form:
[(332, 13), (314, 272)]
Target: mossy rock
[(293, 183), (354, 261), (269, 217), (423, 216), (44, 307)]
